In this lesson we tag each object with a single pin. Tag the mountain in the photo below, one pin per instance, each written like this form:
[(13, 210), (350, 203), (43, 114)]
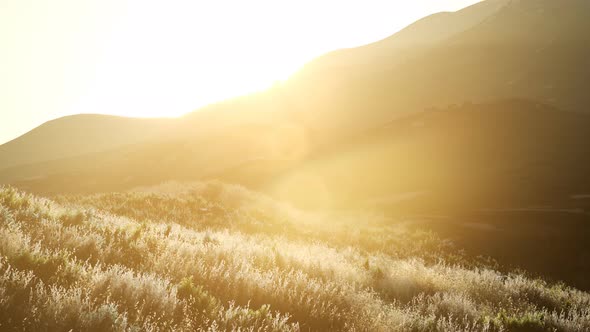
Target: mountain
[(529, 49), (503, 155), (78, 135), (415, 38), (491, 54)]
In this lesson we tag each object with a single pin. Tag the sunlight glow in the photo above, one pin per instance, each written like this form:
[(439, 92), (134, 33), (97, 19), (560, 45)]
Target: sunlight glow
[(166, 58)]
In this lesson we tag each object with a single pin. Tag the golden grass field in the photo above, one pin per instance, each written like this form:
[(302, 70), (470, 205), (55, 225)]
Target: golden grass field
[(215, 257)]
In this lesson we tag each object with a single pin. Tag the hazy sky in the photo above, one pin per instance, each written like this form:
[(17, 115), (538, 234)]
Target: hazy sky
[(169, 57)]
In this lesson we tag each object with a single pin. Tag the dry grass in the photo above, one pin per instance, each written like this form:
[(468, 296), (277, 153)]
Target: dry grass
[(215, 257)]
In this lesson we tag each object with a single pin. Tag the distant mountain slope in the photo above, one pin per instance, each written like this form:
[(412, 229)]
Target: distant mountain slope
[(178, 154), (502, 155), (77, 135), (509, 154), (417, 37), (534, 49), (530, 49)]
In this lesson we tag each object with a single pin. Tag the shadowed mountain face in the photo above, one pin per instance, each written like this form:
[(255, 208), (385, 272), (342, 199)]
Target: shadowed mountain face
[(78, 135), (530, 49), (501, 155), (537, 50)]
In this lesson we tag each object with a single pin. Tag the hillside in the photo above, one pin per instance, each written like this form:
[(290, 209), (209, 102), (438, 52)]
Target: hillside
[(219, 257), (78, 135), (435, 180), (498, 155), (461, 159), (500, 176), (542, 60), (534, 50), (529, 49), (416, 38)]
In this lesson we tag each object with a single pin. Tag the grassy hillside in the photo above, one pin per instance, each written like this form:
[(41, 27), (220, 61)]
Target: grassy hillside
[(501, 179), (216, 257)]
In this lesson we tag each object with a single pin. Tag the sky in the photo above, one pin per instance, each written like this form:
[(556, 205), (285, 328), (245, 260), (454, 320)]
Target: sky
[(145, 58)]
